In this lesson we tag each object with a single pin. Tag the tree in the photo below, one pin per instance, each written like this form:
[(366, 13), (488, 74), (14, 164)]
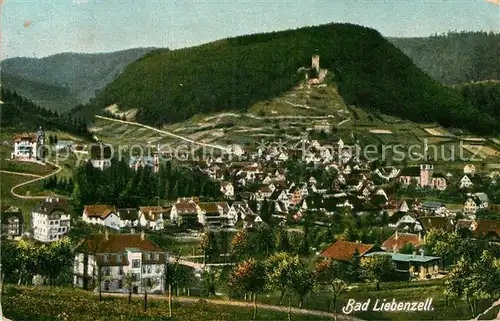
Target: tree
[(209, 245), (249, 277), (303, 282), (266, 211), (210, 279), (353, 271), (474, 280), (408, 248), (279, 271), (378, 268), (147, 285), (330, 274), (128, 284)]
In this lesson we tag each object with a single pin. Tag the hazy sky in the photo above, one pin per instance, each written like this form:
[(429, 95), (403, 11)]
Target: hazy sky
[(44, 27)]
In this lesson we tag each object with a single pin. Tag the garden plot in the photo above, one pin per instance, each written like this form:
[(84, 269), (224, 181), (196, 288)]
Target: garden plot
[(482, 151), (437, 131), (380, 131)]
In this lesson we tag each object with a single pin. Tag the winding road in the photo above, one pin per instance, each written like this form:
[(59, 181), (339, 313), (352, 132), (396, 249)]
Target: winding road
[(37, 178), (166, 133)]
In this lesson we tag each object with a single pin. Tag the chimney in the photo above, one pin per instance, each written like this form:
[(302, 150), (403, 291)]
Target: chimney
[(106, 235), (414, 253), (142, 235), (396, 235), (422, 252)]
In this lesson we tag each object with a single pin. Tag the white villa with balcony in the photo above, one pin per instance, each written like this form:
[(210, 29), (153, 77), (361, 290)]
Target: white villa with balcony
[(116, 255), (50, 220)]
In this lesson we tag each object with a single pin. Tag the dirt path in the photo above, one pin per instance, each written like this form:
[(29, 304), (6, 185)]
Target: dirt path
[(166, 133), (38, 178), (244, 304), (20, 174)]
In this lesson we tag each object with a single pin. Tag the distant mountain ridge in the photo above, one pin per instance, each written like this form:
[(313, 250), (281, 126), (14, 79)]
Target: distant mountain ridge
[(456, 57), (61, 81), (234, 73)]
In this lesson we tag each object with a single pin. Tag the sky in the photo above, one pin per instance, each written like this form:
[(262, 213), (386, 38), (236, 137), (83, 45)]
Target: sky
[(38, 28)]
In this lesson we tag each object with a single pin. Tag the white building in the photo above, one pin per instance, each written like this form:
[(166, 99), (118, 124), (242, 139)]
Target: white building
[(50, 220), (100, 156), (101, 215), (29, 146), (107, 259), (153, 217)]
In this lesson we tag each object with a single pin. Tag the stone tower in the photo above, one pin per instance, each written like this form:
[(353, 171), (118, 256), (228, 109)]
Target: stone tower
[(315, 62), (426, 171)]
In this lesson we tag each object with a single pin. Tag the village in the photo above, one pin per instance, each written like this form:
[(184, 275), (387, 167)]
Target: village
[(324, 204)]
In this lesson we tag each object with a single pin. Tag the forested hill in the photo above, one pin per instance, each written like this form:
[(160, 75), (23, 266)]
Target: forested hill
[(24, 115), (170, 86), (455, 58), (62, 81), (485, 95)]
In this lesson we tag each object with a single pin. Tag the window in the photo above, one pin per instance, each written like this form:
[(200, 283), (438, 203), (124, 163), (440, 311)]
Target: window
[(121, 270), (136, 264), (149, 256), (149, 269), (105, 258), (157, 256), (106, 286), (120, 284), (135, 277), (158, 270)]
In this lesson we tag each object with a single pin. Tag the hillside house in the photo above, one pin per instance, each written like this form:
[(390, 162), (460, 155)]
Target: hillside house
[(29, 146), (50, 220), (469, 169), (465, 182), (101, 215), (100, 156), (430, 207), (109, 258), (398, 240), (227, 188), (129, 217), (12, 221), (417, 266), (153, 217), (344, 251)]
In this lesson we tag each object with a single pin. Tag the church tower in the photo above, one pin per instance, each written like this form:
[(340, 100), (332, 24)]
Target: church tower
[(426, 171)]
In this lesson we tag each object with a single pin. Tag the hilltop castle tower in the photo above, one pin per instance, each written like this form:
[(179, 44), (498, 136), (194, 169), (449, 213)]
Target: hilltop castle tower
[(315, 62)]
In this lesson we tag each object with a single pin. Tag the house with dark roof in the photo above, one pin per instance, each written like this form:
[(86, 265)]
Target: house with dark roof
[(129, 217), (343, 250), (436, 223), (100, 156), (50, 220), (12, 221), (108, 258), (430, 207)]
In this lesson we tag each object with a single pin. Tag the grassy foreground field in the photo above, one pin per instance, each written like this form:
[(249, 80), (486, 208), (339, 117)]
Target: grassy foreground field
[(51, 304), (451, 309)]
